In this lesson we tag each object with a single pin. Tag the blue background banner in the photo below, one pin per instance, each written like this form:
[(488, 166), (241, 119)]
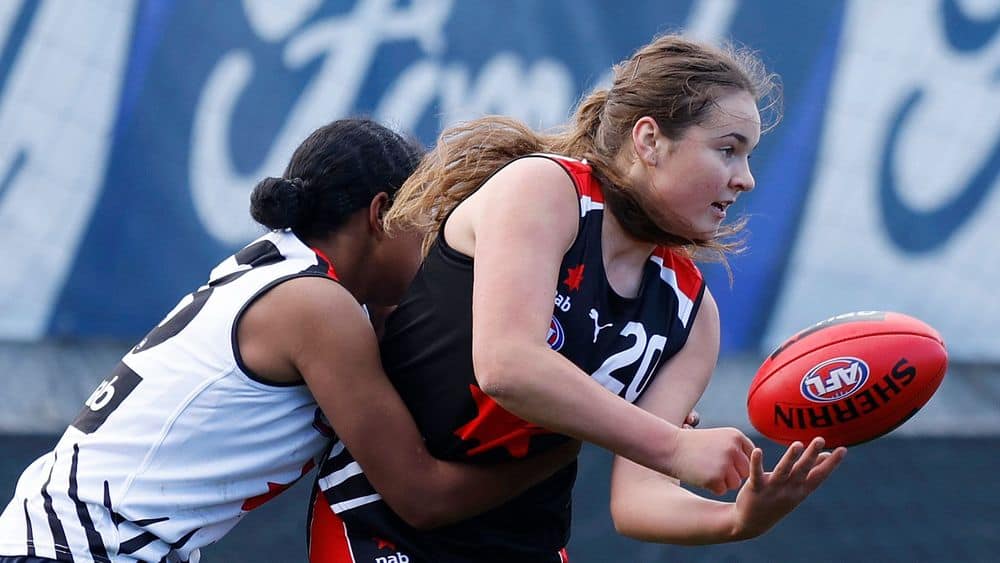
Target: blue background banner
[(135, 130)]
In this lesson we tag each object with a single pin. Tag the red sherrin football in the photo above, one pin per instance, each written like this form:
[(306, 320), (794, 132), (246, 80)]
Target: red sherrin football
[(849, 379)]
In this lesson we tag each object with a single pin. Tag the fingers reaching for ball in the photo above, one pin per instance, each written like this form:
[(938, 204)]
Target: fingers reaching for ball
[(767, 497), (826, 463), (807, 466), (756, 468), (808, 459), (784, 466)]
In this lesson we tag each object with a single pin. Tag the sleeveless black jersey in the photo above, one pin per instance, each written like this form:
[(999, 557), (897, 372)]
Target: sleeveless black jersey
[(427, 352)]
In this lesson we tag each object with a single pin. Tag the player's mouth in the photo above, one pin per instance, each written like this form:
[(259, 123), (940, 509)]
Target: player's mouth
[(720, 208)]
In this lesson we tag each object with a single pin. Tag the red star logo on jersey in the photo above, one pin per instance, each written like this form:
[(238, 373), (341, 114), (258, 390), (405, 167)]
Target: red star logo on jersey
[(494, 427), (574, 277), (274, 489), (382, 544)]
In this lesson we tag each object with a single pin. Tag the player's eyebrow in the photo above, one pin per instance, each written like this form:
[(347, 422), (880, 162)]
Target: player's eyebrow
[(740, 138)]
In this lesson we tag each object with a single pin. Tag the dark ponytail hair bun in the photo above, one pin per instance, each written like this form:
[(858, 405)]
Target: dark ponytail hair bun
[(278, 203), (335, 172)]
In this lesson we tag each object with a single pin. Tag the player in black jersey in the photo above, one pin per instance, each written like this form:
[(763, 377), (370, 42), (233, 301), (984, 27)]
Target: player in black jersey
[(215, 411), (550, 280)]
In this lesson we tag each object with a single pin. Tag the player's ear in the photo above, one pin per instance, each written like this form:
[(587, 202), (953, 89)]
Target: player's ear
[(376, 211), (645, 134)]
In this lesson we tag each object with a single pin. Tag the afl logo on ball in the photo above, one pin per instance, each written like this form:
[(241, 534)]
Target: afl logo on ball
[(556, 336), (834, 379)]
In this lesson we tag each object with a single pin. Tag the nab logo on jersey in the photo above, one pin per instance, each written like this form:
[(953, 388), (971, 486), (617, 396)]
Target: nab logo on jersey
[(834, 379), (556, 337), (106, 398)]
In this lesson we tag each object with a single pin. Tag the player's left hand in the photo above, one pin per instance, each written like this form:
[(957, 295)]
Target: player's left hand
[(767, 497)]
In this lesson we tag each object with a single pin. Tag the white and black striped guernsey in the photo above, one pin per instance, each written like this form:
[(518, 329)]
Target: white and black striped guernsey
[(180, 440)]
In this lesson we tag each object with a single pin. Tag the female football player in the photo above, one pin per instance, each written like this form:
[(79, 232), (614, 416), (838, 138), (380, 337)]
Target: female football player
[(559, 297)]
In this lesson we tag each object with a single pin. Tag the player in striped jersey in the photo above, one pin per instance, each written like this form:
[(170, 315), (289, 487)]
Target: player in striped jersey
[(492, 369), (215, 411)]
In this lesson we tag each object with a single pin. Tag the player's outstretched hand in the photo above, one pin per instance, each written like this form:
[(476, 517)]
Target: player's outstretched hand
[(767, 497), (717, 459)]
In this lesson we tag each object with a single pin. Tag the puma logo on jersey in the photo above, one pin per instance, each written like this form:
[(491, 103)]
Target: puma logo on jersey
[(562, 302), (597, 327)]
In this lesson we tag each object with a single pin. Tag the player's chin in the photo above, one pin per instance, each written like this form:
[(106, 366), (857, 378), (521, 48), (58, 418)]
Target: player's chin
[(698, 228), (706, 226), (705, 231)]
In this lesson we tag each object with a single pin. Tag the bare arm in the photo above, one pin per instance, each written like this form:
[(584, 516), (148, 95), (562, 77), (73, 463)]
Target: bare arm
[(313, 328), (520, 223), (652, 507)]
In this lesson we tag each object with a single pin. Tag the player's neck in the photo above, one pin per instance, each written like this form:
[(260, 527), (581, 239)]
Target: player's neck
[(624, 255), (348, 249)]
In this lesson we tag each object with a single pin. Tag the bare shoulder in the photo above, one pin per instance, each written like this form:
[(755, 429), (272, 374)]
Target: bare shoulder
[(531, 195), (537, 175), (307, 300), (299, 315), (534, 185)]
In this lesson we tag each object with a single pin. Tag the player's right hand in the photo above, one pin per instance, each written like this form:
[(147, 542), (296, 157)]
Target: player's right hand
[(767, 497), (717, 459)]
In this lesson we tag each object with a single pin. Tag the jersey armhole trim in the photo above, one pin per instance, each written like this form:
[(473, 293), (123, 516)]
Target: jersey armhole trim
[(233, 336), (694, 311)]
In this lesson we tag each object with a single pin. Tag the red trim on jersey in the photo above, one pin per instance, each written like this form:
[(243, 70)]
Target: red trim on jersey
[(689, 278), (330, 271), (563, 556), (275, 489), (328, 541), (583, 178)]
